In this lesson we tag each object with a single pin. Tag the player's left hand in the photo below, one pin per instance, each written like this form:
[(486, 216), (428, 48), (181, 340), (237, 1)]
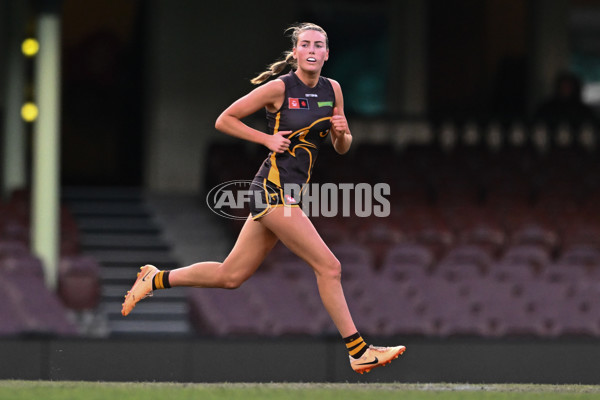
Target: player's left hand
[(339, 124)]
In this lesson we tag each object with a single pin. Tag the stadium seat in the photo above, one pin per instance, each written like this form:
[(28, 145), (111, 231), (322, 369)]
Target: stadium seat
[(23, 265), (11, 325), (512, 272), (366, 305), (379, 237), (455, 271), (536, 256), (286, 309), (400, 309), (409, 253), (486, 235), (14, 229), (449, 307), (221, 312), (402, 271), (294, 270), (468, 254), (332, 230), (79, 282), (565, 273), (40, 310), (580, 254), (13, 248), (566, 315), (404, 320), (536, 235), (357, 261)]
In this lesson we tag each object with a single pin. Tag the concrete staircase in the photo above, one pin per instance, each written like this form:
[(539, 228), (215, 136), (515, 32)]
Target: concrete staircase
[(196, 234), (122, 233)]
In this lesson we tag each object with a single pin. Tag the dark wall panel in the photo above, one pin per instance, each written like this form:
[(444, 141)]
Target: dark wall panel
[(287, 360)]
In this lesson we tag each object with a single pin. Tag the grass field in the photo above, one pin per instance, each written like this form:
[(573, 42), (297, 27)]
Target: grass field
[(44, 390)]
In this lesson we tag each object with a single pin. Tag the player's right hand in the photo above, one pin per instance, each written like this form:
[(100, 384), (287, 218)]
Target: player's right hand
[(278, 142)]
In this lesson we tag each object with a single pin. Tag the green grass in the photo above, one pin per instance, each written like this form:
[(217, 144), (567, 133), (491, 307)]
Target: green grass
[(38, 390)]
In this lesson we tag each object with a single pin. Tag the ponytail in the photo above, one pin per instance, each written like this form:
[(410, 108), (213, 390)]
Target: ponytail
[(275, 69), (278, 66)]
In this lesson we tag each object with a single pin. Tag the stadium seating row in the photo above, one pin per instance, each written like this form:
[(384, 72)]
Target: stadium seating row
[(429, 306), (28, 306), (481, 240), (15, 223)]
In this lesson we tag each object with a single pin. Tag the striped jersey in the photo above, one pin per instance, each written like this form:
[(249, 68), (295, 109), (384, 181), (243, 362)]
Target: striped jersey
[(307, 113)]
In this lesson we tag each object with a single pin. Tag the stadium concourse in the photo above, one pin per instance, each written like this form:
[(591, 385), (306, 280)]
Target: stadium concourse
[(494, 232)]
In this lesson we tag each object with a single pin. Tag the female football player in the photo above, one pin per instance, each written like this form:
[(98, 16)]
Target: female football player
[(302, 108)]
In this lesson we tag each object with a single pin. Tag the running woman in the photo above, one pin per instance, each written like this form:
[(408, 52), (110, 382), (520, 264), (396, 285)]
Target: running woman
[(302, 108)]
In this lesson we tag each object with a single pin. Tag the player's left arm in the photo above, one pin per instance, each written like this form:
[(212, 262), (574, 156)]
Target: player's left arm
[(341, 137)]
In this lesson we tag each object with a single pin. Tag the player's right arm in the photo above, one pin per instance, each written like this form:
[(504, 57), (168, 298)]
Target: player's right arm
[(269, 96)]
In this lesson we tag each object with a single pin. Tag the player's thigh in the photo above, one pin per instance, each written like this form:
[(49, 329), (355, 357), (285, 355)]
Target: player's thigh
[(298, 234), (253, 244)]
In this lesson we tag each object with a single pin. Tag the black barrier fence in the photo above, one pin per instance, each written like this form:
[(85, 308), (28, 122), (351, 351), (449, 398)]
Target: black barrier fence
[(563, 361)]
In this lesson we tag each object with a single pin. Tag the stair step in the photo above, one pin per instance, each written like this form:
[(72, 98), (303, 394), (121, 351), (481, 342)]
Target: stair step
[(149, 308), (112, 292), (108, 209), (117, 225), (79, 193), (115, 315), (135, 315), (91, 241), (116, 275), (121, 229), (128, 327), (137, 264), (133, 257)]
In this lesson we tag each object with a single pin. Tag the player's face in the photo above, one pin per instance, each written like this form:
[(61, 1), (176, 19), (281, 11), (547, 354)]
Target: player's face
[(311, 51)]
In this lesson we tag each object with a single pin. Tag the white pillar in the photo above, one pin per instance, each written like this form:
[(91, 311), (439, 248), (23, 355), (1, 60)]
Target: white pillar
[(46, 148), (14, 140)]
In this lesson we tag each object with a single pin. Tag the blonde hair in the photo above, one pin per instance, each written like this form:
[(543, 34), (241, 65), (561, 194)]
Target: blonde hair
[(277, 67)]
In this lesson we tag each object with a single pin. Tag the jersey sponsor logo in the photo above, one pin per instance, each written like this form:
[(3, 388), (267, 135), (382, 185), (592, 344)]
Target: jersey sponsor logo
[(311, 95), (297, 104), (325, 103)]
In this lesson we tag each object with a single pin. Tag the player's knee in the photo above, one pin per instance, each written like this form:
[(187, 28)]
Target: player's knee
[(231, 285), (332, 269), (232, 281)]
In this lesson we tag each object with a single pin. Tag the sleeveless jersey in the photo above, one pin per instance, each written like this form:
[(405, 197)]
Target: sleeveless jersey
[(307, 113)]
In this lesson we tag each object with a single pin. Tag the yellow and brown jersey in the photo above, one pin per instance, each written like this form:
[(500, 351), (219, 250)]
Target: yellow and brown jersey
[(307, 113)]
